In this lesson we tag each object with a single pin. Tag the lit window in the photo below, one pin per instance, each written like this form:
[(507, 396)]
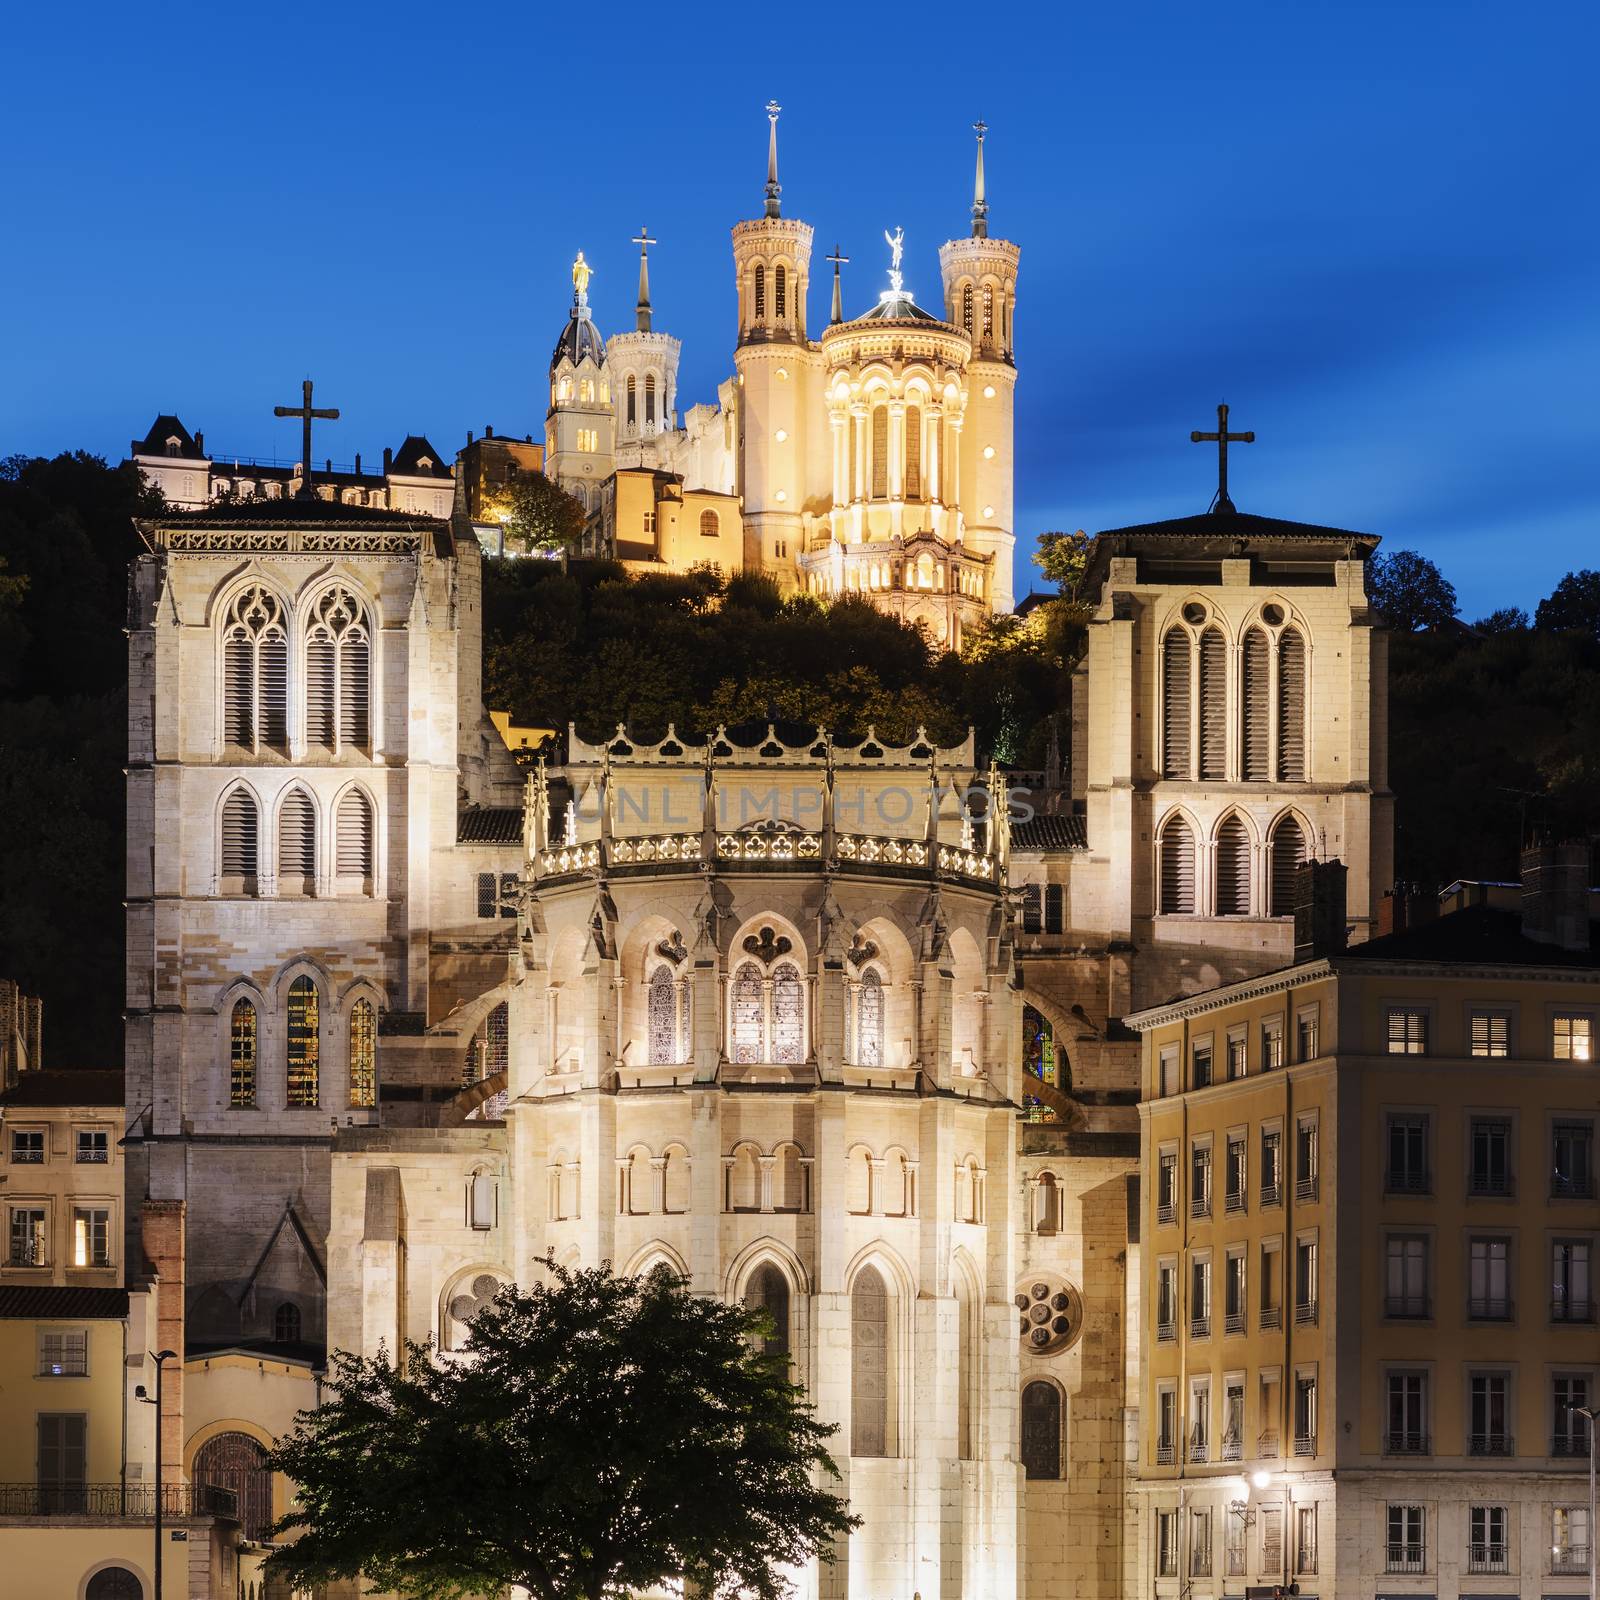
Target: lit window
[(242, 1055), (91, 1236), (63, 1352), (363, 1054), (1408, 1032), (303, 1043), (1491, 1033), (1573, 1039)]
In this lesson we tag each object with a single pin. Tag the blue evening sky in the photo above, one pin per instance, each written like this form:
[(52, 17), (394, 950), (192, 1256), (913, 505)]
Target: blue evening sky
[(1372, 228)]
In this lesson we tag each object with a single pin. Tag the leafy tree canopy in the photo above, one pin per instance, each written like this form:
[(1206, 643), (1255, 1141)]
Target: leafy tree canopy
[(540, 515), (1410, 591), (1064, 557), (1574, 607), (602, 1435)]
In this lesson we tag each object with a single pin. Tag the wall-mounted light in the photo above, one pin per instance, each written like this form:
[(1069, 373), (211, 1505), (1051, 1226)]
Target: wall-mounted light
[(781, 496), (988, 391), (781, 435), (988, 452)]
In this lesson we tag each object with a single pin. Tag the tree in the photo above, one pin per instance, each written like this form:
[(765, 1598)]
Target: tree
[(601, 1435), (540, 515), (1064, 557), (1574, 607), (1507, 619), (1410, 591)]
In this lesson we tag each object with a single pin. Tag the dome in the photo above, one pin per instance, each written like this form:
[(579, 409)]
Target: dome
[(900, 307), (580, 339)]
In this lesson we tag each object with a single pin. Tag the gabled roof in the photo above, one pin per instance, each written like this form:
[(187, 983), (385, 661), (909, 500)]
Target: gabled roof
[(416, 458), (490, 825), (65, 1086), (1044, 832), (45, 1300), (167, 427), (1481, 935)]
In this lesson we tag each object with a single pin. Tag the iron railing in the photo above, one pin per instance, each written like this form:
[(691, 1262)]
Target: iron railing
[(1407, 1182), (1491, 1443), (1408, 1557), (1491, 1183), (1566, 1308), (1305, 1444), (1271, 1317), (1489, 1308), (1406, 1307), (1267, 1445), (1488, 1558), (1569, 1561), (1405, 1442), (115, 1502)]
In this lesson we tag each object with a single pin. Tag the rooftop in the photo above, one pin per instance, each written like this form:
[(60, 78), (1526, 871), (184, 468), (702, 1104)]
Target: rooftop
[(65, 1086), (1476, 935), (43, 1300)]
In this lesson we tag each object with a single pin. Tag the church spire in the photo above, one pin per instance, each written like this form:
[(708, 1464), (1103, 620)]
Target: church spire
[(838, 294), (980, 204), (642, 310), (773, 187)]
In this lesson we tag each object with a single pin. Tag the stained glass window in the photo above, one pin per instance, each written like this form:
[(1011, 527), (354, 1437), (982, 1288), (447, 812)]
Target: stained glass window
[(665, 1045), (749, 1014), (1042, 1060), (768, 1290), (869, 1020), (242, 1055), (788, 1018), (869, 1365), (303, 1042), (1041, 1430), (363, 1054)]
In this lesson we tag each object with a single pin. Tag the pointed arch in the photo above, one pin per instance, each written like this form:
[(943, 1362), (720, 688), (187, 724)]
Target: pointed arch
[(302, 1041), (238, 841), (353, 839), (363, 1054), (1041, 1429), (1176, 649), (870, 1363), (658, 1253), (1176, 877), (465, 1294), (1234, 849), (761, 293), (633, 401), (244, 1041), (1291, 706), (297, 841), (255, 669), (967, 1285), (780, 293), (767, 1289), (1213, 704), (1290, 846), (1256, 707), (337, 670)]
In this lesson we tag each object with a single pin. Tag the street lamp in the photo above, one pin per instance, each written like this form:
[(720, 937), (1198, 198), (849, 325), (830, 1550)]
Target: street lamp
[(160, 1358), (1592, 1413)]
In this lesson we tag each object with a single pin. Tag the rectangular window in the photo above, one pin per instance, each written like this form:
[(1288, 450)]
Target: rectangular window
[(27, 1147), (1270, 1397), (1569, 1427), (1271, 1167), (1167, 1186), (1571, 1160), (1306, 1164), (1407, 1169), (1166, 1303), (1233, 1290), (1271, 1539), (1491, 1033), (63, 1352), (1572, 1280), (1406, 1422), (63, 1463), (1305, 1033), (1305, 1539), (1305, 1414), (1168, 1069), (1489, 1420), (1166, 1544), (1202, 1064), (1406, 1267), (1032, 908), (1200, 1545), (28, 1236), (1055, 901), (1200, 1420), (1236, 1054), (1166, 1425), (1233, 1420), (1271, 1044), (1573, 1039), (92, 1145), (1570, 1540), (1271, 1286), (1486, 1539), (91, 1236), (1408, 1031), (1236, 1175), (1305, 1281), (1408, 1550), (1489, 1171), (1200, 1180), (488, 894), (1489, 1279), (1200, 1298)]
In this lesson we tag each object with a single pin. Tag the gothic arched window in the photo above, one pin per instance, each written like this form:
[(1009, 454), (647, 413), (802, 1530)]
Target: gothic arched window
[(297, 844), (338, 670), (237, 1463), (662, 1019), (304, 1045), (880, 452), (768, 1290), (869, 1365), (710, 524), (286, 1323), (1177, 868), (633, 399), (240, 847), (988, 311), (650, 399), (1233, 868), (363, 1054), (867, 1033), (1041, 1430), (1288, 851), (1255, 763), (767, 1011), (780, 293), (1213, 704), (966, 308), (1291, 707), (255, 672), (1175, 653), (761, 293), (353, 837), (788, 1015), (242, 1035)]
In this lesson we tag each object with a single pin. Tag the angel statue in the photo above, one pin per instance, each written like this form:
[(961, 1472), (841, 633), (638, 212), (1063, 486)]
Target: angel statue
[(896, 243)]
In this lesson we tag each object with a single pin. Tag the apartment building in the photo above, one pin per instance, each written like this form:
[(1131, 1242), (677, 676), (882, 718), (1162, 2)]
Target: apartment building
[(1369, 1224)]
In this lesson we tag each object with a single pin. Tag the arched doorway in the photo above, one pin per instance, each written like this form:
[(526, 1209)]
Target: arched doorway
[(113, 1583), (237, 1463)]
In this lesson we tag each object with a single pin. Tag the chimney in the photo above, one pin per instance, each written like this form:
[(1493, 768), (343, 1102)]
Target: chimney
[(469, 435), (488, 432), (1319, 915), (358, 463), (1555, 894), (161, 1231), (388, 460), (199, 443)]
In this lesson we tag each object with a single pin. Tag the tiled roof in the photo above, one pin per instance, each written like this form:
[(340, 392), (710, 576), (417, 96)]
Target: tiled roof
[(490, 825), (163, 428), (46, 1300), (1044, 832), (1479, 935), (409, 458), (60, 1086), (1233, 525)]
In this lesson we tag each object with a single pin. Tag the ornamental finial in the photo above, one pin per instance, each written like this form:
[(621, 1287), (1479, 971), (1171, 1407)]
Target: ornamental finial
[(773, 187)]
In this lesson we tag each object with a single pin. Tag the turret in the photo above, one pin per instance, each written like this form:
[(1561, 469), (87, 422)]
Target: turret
[(580, 426), (643, 367)]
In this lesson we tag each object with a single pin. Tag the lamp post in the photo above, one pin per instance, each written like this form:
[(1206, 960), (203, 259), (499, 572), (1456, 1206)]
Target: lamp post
[(1592, 1413), (160, 1358)]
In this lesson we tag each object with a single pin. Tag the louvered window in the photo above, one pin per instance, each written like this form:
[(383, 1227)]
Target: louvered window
[(780, 293), (650, 397), (1175, 704), (353, 843), (297, 843), (988, 312), (1233, 869), (338, 671), (913, 490), (1213, 704), (303, 1043), (633, 399), (1257, 707), (242, 1055), (320, 691), (1291, 707), (880, 452), (761, 294), (1177, 868), (1288, 851), (354, 676), (239, 825), (363, 1054), (966, 308), (255, 672)]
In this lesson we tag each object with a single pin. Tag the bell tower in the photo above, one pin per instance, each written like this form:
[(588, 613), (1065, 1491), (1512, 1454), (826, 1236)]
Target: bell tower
[(580, 426), (775, 366), (980, 297)]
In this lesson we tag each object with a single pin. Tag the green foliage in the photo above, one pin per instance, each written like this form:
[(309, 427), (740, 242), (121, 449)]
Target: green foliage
[(603, 1435), (540, 515), (1063, 558), (1573, 607), (1410, 591)]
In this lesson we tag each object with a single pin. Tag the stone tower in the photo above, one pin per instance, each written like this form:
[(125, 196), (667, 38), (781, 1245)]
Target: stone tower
[(643, 369), (580, 426)]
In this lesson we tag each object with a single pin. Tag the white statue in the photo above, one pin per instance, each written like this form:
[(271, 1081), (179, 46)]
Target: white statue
[(896, 243)]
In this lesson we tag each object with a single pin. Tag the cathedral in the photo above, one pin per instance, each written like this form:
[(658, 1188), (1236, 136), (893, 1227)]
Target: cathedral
[(828, 1025)]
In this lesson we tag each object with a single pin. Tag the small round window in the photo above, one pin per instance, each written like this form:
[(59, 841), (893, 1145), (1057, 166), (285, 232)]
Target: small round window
[(1194, 613), (1049, 1315), (1272, 615)]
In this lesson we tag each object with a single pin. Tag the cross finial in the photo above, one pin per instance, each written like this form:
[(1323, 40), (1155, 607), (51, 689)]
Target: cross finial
[(838, 294), (773, 187), (642, 309), (980, 203), (1222, 439), (306, 411)]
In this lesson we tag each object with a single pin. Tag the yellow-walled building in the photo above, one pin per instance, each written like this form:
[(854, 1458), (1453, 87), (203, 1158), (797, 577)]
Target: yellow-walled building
[(1368, 1226)]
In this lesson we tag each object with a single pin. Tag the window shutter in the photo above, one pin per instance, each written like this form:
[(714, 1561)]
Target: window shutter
[(780, 293), (1054, 907), (1288, 851), (1233, 869), (354, 843), (1032, 904), (880, 452), (1491, 1033), (1213, 704), (239, 855), (486, 894), (761, 293), (1291, 707), (913, 484), (238, 696), (1257, 707), (273, 699), (297, 837), (354, 676), (650, 384), (319, 691), (1177, 868), (1175, 704)]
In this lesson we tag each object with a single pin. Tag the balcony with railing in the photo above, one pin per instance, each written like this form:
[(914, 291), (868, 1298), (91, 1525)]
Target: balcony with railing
[(1166, 1453), (1305, 1313), (1200, 1326), (1167, 1212), (1232, 1448), (1406, 1442), (1568, 1308), (1233, 1322), (1305, 1444), (1236, 1560), (115, 1502), (1405, 1182), (1491, 1185), (1267, 1445), (1490, 1308), (1569, 1186), (1306, 1188), (1406, 1307), (1488, 1558), (1271, 1193), (1569, 1560), (1407, 1557), (1233, 1202), (1493, 1442), (1199, 1451), (1166, 1333), (1569, 1445), (1271, 1317)]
